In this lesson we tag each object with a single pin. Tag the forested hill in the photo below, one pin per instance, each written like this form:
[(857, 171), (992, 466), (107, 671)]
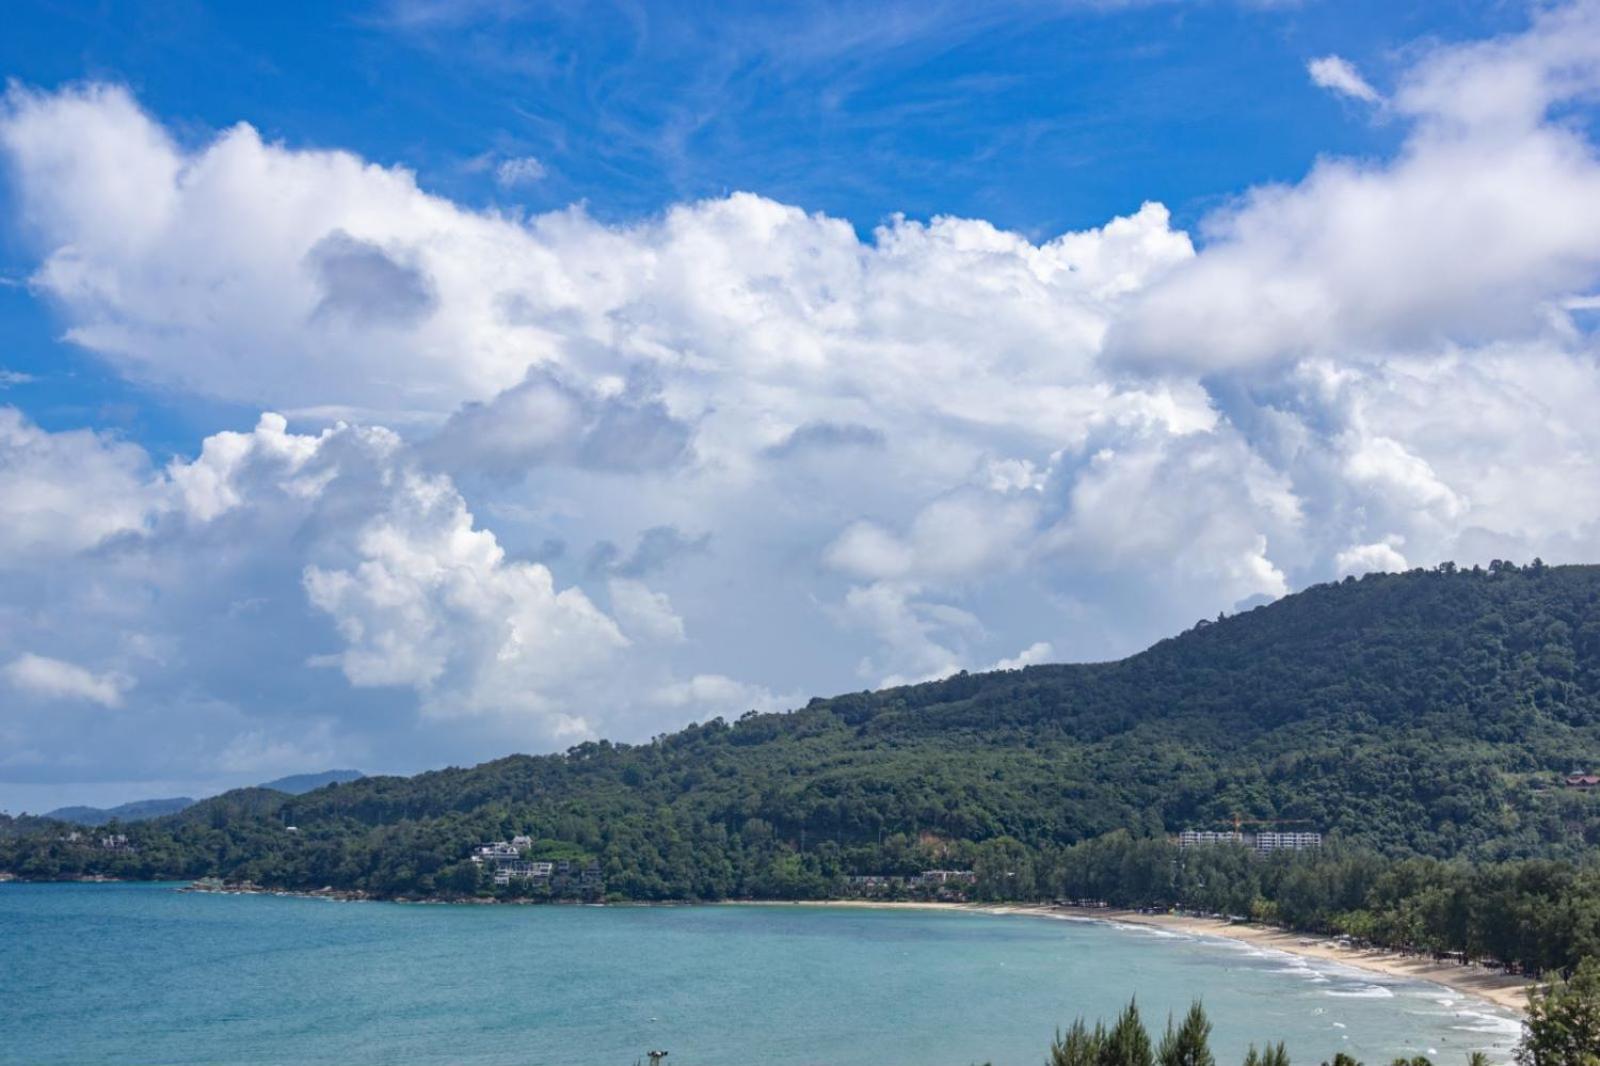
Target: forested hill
[(1429, 712)]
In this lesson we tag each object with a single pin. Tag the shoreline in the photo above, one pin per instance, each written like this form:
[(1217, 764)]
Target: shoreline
[(1506, 992)]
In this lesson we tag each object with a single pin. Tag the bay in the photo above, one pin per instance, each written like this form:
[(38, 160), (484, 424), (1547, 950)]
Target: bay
[(142, 974)]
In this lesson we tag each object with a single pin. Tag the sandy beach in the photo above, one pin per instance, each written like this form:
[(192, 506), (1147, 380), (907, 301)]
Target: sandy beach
[(1502, 990), (1499, 989)]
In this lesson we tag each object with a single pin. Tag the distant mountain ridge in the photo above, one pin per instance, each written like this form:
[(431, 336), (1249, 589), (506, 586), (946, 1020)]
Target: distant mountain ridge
[(137, 811), (143, 810), (300, 784)]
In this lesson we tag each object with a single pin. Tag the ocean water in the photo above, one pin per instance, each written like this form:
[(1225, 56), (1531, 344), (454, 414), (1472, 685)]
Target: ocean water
[(124, 974)]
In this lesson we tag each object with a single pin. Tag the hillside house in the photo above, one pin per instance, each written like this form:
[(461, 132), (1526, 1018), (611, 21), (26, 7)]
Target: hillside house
[(503, 860), (522, 870), (497, 852)]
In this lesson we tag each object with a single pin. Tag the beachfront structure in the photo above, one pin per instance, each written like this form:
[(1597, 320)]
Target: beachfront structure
[(944, 884), (871, 882)]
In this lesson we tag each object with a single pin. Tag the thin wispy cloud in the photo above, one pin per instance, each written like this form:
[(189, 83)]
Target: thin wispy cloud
[(1338, 75), (526, 170)]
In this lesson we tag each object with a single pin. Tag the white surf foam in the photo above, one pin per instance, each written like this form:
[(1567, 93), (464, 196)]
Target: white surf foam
[(1361, 992), (1472, 1021)]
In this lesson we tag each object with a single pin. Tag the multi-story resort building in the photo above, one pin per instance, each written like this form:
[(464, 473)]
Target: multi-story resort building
[(1287, 841), (1191, 838), (1259, 842)]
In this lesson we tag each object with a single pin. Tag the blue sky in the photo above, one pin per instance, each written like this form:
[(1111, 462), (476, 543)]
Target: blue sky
[(1038, 117), (414, 383)]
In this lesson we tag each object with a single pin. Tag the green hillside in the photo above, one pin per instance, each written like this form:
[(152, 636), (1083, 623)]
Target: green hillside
[(1429, 713)]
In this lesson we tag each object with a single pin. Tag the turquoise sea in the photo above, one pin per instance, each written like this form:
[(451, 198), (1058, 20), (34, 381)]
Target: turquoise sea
[(123, 974)]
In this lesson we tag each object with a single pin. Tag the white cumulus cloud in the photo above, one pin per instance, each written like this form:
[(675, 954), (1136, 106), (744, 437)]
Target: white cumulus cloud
[(66, 492), (540, 477), (1476, 230), (57, 679), (1382, 557)]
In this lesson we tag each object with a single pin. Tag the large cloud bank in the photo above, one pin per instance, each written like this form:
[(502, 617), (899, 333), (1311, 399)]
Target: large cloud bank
[(523, 480)]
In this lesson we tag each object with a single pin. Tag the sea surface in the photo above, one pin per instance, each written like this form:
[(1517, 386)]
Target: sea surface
[(119, 974)]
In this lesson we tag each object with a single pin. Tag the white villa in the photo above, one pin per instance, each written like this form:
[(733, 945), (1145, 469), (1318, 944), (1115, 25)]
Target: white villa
[(501, 851), (504, 859)]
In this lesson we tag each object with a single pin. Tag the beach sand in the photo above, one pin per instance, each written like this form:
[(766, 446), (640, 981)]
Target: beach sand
[(1499, 989)]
